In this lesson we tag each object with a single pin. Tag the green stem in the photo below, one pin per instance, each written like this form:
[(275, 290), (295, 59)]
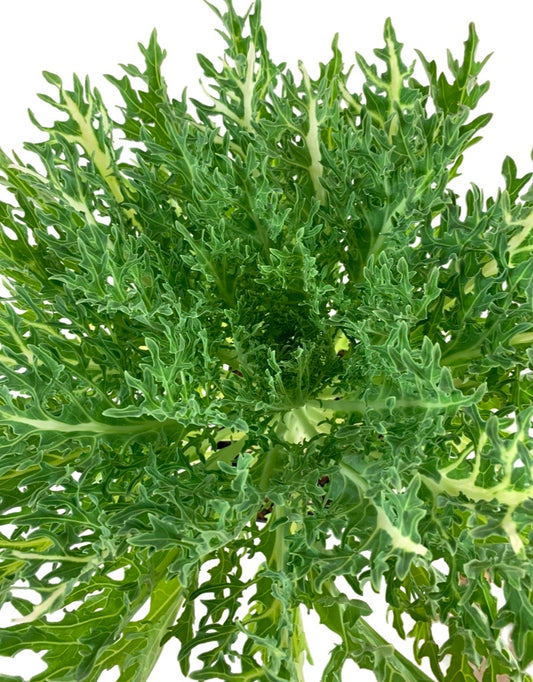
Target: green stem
[(276, 560), (269, 467), (410, 669), (333, 617), (296, 645), (300, 647), (166, 598)]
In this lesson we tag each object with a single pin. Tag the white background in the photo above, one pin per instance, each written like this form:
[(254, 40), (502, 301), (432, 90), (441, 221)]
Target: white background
[(92, 38)]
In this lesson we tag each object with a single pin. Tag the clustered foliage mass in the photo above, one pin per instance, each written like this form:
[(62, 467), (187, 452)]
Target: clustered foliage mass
[(265, 327)]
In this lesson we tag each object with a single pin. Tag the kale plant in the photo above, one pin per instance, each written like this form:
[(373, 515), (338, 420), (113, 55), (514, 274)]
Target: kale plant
[(266, 327)]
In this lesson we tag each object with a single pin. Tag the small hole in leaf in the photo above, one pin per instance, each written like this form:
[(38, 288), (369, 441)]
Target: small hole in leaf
[(118, 574), (111, 675)]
